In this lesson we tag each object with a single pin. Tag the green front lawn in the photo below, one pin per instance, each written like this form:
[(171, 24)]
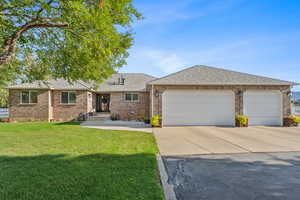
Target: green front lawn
[(67, 162)]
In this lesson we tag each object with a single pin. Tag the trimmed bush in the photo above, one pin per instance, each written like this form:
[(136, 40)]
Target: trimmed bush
[(241, 121), (146, 120), (115, 117), (155, 121), (296, 119)]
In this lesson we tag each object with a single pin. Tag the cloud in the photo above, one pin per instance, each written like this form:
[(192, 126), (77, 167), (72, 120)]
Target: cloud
[(168, 62), (261, 55), (159, 61)]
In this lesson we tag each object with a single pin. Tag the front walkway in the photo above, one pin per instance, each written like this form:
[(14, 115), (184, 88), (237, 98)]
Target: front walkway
[(118, 125), (222, 140)]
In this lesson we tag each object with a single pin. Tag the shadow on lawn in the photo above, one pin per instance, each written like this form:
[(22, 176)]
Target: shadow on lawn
[(236, 176), (98, 176), (68, 123)]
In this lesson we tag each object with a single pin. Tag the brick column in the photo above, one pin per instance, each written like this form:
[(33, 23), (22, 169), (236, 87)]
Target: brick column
[(239, 104), (286, 102)]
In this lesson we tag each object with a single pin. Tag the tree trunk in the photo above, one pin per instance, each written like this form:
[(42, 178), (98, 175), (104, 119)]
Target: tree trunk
[(9, 46)]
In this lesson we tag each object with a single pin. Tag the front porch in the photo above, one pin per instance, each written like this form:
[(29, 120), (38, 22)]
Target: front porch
[(127, 106), (98, 116)]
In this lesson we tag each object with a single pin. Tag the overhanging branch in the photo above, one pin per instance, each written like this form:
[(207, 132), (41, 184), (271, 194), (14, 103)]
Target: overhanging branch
[(9, 45)]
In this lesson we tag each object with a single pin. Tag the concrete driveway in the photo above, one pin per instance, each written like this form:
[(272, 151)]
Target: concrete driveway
[(223, 140)]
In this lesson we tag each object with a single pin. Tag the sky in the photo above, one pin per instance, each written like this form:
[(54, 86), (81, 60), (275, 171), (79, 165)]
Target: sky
[(260, 37)]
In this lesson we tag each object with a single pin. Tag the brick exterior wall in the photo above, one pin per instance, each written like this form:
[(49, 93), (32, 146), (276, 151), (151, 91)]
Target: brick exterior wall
[(29, 112), (48, 107), (63, 112), (51, 109), (157, 100), (130, 110)]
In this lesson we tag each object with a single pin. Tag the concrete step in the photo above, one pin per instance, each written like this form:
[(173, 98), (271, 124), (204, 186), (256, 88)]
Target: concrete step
[(99, 117), (106, 114)]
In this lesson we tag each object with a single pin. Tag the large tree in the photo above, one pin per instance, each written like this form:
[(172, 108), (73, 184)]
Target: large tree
[(71, 39)]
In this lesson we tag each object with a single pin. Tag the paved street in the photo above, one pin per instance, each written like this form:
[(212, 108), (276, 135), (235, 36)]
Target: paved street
[(246, 176)]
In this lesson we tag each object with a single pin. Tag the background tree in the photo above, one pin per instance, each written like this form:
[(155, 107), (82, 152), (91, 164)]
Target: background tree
[(7, 76), (71, 39)]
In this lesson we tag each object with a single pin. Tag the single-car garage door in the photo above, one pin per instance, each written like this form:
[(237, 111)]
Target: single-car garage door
[(263, 107), (198, 107)]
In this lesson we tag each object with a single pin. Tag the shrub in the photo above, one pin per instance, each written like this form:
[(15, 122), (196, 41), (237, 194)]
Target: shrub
[(115, 117), (155, 121), (146, 120), (296, 119), (4, 120), (242, 119), (290, 121)]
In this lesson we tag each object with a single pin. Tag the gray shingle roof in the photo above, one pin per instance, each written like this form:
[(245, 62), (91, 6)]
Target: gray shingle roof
[(133, 82), (204, 75), (59, 84)]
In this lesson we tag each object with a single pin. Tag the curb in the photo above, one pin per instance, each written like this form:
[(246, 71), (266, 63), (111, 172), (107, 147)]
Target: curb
[(168, 189)]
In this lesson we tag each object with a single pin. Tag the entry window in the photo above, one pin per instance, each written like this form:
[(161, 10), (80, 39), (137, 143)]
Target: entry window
[(28, 97), (131, 97), (68, 97)]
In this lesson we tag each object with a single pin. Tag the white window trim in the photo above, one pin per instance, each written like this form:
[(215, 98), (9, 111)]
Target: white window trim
[(68, 98), (132, 101), (29, 103)]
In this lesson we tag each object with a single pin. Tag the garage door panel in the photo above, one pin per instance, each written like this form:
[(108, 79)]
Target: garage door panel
[(263, 107), (198, 108), (265, 120)]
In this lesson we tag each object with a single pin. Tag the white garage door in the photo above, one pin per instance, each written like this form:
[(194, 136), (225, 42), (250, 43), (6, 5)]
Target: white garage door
[(263, 107), (194, 107)]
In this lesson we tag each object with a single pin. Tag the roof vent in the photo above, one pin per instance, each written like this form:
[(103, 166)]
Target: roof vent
[(121, 80)]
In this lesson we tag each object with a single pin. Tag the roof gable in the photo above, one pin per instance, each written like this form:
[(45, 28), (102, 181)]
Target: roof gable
[(132, 82), (204, 75)]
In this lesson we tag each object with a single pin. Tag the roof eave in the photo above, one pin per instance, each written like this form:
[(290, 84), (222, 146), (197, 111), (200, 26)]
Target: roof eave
[(214, 84), (108, 91), (26, 88), (61, 89)]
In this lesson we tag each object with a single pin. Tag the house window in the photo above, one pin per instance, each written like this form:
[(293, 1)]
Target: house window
[(132, 97), (68, 98), (28, 97)]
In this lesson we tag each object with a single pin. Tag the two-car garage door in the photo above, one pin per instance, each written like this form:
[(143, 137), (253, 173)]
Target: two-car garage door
[(200, 107), (193, 107)]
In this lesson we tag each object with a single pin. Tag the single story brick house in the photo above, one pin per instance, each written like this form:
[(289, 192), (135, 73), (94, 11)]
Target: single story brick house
[(199, 95)]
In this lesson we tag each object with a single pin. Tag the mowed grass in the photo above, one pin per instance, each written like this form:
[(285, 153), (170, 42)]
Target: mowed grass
[(68, 162)]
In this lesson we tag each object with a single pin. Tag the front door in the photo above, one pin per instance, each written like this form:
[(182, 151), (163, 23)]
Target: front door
[(102, 102)]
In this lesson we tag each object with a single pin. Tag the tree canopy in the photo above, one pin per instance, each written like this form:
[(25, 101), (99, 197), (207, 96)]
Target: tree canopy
[(70, 39)]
